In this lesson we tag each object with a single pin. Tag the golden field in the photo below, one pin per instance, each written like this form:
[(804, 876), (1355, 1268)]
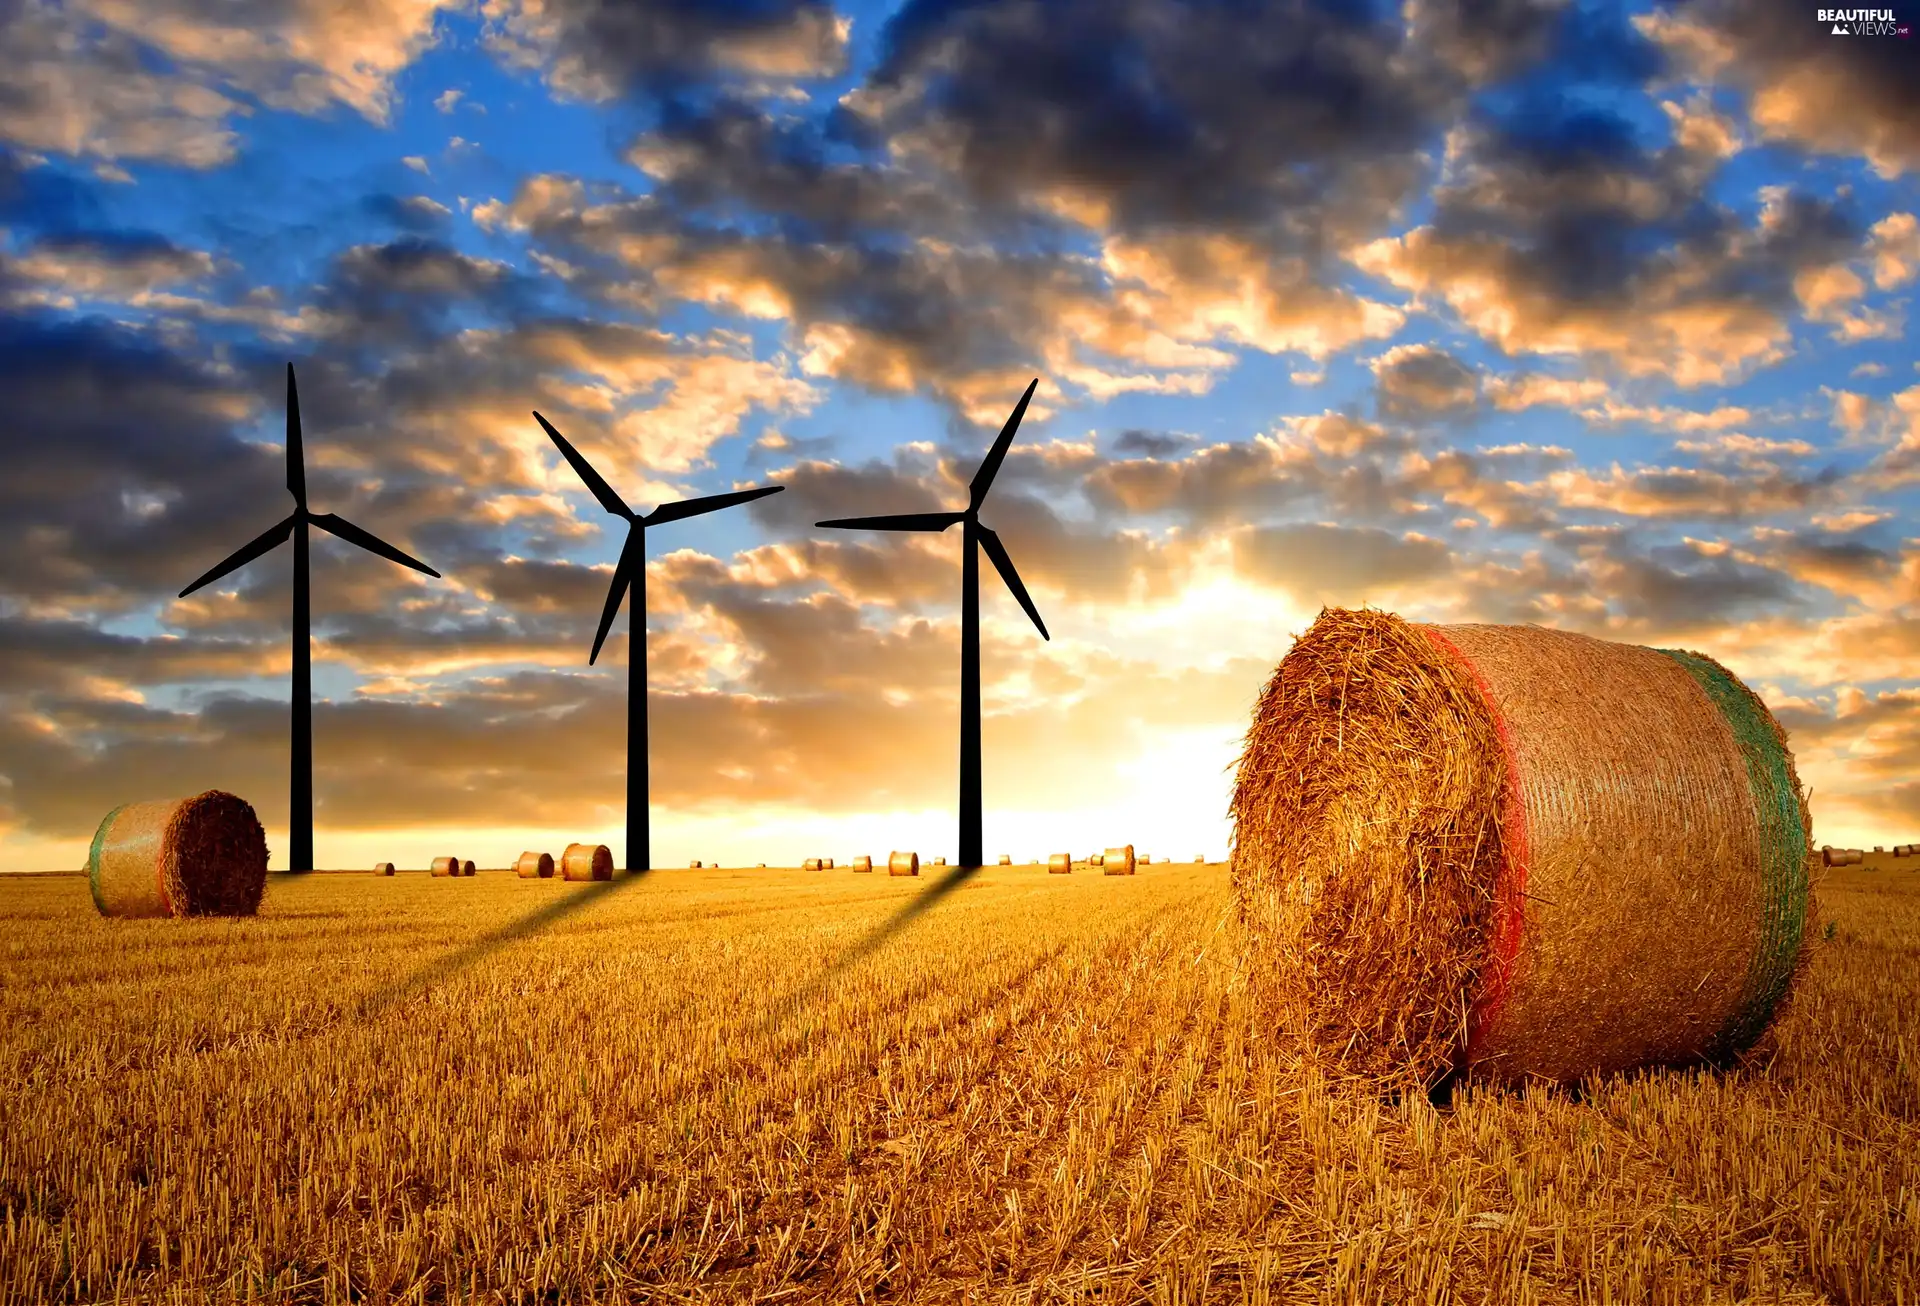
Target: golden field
[(740, 1085)]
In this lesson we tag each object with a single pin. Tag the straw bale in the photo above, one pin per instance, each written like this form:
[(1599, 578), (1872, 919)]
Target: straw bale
[(1199, 859), (1516, 851), (828, 863), (1060, 864), (586, 861), (939, 861), (466, 868), (694, 865), (199, 856), (903, 864), (812, 864), (534, 866), (1118, 861), (1006, 859), (383, 868), (446, 867), (1144, 859), (863, 863)]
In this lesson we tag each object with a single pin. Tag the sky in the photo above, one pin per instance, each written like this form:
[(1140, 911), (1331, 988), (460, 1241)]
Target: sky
[(1470, 310)]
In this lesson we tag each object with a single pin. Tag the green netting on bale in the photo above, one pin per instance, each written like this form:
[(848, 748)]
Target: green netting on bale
[(1781, 811)]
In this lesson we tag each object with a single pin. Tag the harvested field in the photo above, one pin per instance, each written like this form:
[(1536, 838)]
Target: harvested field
[(1040, 1089)]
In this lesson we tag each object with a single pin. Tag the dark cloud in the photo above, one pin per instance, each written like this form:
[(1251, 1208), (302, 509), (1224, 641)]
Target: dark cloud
[(44, 197), (1852, 97), (1338, 565), (607, 48), (1150, 444), (1685, 588), (1420, 382)]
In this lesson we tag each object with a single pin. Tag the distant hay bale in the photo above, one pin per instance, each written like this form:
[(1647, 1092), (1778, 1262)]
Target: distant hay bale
[(1144, 860), (586, 861), (466, 868), (1060, 864), (199, 856), (863, 863), (1093, 859), (812, 864), (534, 866), (903, 864), (1516, 851), (1006, 859), (1199, 859), (760, 866), (1117, 861), (446, 867), (828, 863), (383, 868), (693, 865), (1842, 856), (939, 861)]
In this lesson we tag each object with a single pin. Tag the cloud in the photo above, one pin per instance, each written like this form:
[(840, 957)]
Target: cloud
[(604, 49), (1558, 234), (1794, 78), (1320, 563), (1418, 382)]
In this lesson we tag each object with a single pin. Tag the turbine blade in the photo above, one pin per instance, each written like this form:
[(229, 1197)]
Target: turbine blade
[(905, 521), (1004, 565), (346, 530), (983, 478), (296, 454), (264, 542), (601, 490), (685, 508), (622, 576)]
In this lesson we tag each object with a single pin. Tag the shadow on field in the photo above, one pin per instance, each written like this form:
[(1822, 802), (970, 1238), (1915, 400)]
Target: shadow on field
[(781, 1010), (534, 921)]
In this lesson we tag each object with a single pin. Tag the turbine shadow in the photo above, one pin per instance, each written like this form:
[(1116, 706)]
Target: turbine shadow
[(780, 1011), (441, 968)]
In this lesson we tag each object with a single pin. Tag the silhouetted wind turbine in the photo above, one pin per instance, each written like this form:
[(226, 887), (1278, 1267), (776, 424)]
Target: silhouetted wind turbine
[(300, 795), (973, 534), (632, 569)]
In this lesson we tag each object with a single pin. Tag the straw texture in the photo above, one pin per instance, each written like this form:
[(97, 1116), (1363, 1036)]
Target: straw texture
[(1516, 850), (586, 861), (1060, 864), (383, 868), (446, 867), (534, 866), (1118, 861), (199, 856), (903, 864)]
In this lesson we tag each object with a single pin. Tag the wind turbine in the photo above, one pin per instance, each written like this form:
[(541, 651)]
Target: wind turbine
[(632, 568), (300, 791), (973, 534)]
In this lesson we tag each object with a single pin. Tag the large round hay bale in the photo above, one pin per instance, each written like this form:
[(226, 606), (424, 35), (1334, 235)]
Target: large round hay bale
[(466, 867), (199, 856), (1516, 851), (694, 865), (903, 864), (383, 868), (1006, 859), (939, 861), (586, 861), (534, 866), (863, 863), (812, 864), (446, 867), (1060, 864), (1118, 861)]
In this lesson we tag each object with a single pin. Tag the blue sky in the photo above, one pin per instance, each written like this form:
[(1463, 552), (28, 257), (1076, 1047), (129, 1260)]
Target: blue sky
[(1577, 314)]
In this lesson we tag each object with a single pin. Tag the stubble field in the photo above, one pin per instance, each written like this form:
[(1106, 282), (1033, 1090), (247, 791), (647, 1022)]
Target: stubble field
[(775, 1086)]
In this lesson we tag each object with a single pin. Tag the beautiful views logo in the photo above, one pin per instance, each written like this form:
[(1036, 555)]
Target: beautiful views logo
[(1863, 22)]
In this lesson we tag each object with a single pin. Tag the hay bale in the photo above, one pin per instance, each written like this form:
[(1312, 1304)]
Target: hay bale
[(1145, 859), (760, 865), (1060, 864), (1006, 859), (534, 866), (1516, 851), (383, 868), (446, 867), (812, 864), (586, 861), (693, 865), (903, 864), (199, 856), (466, 868), (1117, 861), (863, 863), (939, 861), (829, 863)]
